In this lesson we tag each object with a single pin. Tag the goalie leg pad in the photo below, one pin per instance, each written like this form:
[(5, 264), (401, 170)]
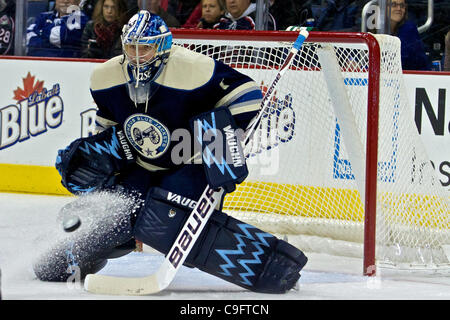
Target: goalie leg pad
[(161, 218), (252, 258), (227, 248)]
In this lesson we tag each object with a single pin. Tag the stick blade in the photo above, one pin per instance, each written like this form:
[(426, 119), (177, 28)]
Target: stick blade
[(101, 284)]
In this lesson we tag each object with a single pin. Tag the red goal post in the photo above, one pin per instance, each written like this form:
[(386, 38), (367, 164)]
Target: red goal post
[(339, 87)]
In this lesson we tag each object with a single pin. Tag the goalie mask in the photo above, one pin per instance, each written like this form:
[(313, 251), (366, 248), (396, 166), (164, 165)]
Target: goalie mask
[(146, 44)]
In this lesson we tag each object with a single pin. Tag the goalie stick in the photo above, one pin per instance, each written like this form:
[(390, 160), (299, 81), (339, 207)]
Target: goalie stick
[(161, 279)]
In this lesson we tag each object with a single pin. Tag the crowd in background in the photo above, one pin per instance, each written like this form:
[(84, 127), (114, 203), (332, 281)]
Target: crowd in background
[(92, 28)]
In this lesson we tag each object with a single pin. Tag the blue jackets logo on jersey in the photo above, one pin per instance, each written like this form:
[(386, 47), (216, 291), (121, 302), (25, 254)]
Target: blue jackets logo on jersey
[(147, 135)]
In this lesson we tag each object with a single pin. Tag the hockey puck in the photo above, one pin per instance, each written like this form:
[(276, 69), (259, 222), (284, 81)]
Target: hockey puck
[(71, 223)]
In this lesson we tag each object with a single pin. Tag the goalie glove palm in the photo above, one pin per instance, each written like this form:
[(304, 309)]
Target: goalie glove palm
[(93, 163)]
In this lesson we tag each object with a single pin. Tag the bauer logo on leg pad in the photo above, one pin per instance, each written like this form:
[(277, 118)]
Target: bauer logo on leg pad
[(178, 252), (223, 158)]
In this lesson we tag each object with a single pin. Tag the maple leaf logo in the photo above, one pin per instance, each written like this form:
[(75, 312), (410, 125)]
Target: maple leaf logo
[(29, 87)]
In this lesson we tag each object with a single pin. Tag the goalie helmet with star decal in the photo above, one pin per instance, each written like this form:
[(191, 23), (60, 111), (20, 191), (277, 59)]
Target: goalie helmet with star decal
[(146, 43)]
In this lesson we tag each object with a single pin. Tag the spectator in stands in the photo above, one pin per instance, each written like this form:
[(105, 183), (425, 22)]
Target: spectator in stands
[(181, 9), (340, 15), (304, 9), (241, 15), (212, 12), (7, 16), (133, 8), (447, 52), (87, 6), (101, 36), (57, 33), (284, 13), (194, 18), (154, 6), (412, 48)]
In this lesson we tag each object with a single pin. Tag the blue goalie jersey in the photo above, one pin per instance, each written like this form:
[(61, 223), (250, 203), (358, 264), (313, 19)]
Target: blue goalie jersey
[(190, 84)]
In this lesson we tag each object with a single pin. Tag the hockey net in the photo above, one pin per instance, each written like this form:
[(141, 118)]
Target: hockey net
[(336, 164)]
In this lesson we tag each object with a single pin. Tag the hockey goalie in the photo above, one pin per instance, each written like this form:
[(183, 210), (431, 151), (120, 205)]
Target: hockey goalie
[(146, 97)]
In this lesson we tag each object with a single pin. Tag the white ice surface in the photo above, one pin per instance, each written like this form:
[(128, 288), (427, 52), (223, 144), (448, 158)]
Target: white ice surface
[(26, 221)]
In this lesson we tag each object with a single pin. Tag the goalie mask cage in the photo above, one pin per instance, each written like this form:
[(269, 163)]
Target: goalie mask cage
[(336, 163)]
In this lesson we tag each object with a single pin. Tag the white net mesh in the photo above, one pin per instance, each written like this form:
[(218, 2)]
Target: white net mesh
[(307, 159)]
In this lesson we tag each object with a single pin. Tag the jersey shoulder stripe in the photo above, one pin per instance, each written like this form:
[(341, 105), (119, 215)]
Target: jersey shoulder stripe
[(109, 74), (186, 69), (245, 98)]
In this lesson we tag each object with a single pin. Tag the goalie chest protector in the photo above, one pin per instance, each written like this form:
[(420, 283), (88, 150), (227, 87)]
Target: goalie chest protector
[(190, 84)]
